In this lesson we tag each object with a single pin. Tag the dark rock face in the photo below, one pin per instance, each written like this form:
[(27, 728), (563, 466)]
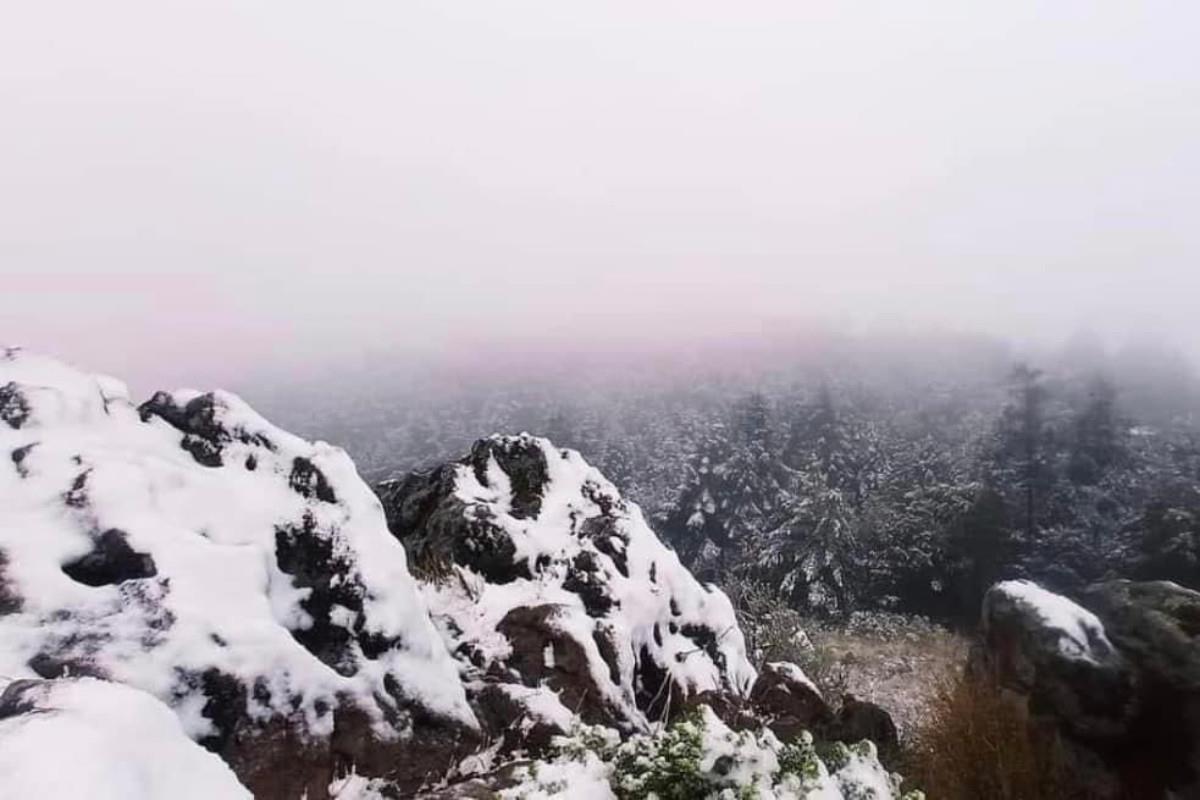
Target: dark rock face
[(509, 720), (276, 759), (10, 601), (19, 697), (50, 666), (423, 513), (788, 704), (307, 554), (199, 421), (587, 579), (14, 408), (111, 561), (859, 719), (525, 467), (18, 459), (1094, 696), (785, 701), (307, 480), (542, 652), (435, 527), (484, 787), (1127, 717), (1156, 626)]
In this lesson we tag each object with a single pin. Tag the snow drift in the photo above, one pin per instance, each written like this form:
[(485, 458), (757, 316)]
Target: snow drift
[(84, 737)]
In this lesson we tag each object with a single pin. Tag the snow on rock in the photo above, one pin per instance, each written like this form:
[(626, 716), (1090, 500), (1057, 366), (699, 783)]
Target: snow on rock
[(356, 787), (241, 575), (795, 674), (538, 572), (84, 737), (1045, 647), (1081, 634), (786, 699)]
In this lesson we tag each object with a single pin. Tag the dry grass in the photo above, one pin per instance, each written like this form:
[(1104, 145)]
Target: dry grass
[(899, 668), (975, 744)]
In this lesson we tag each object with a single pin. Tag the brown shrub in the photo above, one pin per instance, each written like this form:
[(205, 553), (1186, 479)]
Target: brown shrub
[(977, 744)]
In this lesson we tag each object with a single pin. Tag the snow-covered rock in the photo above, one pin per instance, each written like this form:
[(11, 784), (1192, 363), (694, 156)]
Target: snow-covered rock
[(1080, 633), (241, 575), (1115, 678), (788, 701), (1045, 645), (539, 573), (83, 737)]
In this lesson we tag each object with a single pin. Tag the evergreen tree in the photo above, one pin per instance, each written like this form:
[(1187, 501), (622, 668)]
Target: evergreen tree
[(1022, 445), (815, 437), (1096, 444), (809, 554), (981, 550), (734, 490)]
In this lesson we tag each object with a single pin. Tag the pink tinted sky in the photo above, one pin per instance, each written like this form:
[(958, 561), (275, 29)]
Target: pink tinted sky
[(203, 192)]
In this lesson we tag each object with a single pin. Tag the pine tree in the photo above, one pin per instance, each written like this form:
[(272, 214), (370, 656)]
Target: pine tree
[(735, 488), (809, 554), (1096, 444), (698, 527), (1023, 444)]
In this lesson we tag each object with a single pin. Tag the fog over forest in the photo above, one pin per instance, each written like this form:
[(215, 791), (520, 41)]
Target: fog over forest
[(538, 399)]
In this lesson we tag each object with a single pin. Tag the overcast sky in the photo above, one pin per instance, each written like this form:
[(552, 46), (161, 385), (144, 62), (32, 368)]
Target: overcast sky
[(192, 191)]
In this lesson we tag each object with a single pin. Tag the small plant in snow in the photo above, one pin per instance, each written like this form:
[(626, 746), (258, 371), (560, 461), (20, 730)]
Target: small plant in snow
[(668, 766), (699, 757)]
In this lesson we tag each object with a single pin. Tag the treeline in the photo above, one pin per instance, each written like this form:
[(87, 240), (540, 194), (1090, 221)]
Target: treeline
[(908, 478), (842, 503)]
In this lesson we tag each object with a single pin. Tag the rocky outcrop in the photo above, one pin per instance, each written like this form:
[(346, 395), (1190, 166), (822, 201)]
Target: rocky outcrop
[(187, 558), (540, 575), (1111, 682), (244, 577)]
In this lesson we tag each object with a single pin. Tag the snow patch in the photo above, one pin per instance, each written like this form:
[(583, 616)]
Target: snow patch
[(794, 673), (1081, 634), (104, 741)]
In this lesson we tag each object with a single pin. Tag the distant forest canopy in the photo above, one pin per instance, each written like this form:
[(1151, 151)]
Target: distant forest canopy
[(906, 473)]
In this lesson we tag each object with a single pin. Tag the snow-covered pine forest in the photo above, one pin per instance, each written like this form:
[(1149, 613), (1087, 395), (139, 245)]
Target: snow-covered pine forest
[(905, 476)]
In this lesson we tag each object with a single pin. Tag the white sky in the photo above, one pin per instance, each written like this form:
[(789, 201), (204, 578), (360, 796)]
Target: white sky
[(192, 191)]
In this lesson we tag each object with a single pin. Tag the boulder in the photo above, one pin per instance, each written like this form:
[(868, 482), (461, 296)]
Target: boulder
[(1055, 652), (788, 702), (1111, 683), (861, 719), (1156, 627), (547, 652), (539, 573)]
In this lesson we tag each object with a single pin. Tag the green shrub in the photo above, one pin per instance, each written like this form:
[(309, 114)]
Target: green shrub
[(699, 757)]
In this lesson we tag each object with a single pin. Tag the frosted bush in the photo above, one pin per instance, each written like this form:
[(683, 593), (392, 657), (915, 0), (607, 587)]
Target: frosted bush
[(700, 757)]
